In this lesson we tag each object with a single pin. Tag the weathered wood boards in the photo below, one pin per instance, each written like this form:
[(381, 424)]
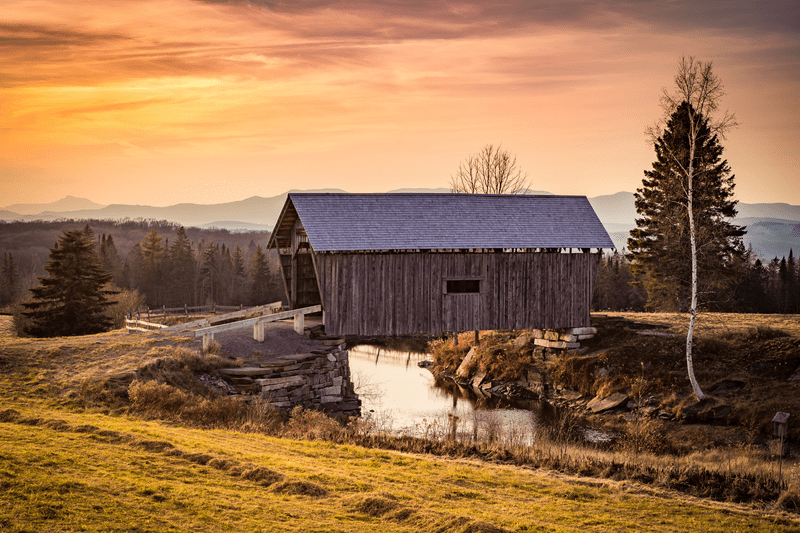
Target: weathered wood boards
[(368, 293), (258, 324)]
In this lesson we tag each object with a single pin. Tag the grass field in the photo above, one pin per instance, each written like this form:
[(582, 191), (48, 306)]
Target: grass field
[(715, 323), (67, 464), (62, 471)]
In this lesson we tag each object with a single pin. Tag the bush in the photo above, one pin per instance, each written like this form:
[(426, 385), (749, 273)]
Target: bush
[(126, 301), (22, 323)]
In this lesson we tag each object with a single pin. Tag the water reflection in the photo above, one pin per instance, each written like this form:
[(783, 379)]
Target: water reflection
[(406, 399)]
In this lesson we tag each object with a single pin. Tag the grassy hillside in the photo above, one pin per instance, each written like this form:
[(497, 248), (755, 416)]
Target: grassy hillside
[(74, 456), (65, 471)]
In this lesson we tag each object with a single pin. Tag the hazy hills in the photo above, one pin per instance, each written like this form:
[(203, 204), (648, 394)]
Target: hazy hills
[(773, 228), (70, 203)]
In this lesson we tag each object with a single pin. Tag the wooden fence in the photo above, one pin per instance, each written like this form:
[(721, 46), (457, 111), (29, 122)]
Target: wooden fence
[(142, 325), (137, 324), (186, 310)]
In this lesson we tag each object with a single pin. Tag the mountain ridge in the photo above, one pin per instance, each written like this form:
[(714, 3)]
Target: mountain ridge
[(772, 227)]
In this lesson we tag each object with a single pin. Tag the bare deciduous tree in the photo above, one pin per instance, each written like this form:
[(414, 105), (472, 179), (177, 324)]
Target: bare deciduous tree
[(697, 85), (490, 171)]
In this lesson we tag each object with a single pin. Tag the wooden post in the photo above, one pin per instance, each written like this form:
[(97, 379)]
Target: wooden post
[(455, 338), (258, 331), (293, 301), (299, 323), (208, 338), (186, 309), (477, 334)]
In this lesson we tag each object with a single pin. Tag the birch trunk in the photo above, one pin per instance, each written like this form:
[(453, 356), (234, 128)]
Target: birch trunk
[(692, 239)]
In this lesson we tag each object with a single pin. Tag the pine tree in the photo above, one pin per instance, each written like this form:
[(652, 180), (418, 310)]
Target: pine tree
[(687, 199), (111, 259), (263, 286), (660, 248), (209, 274), (752, 294), (9, 279), (239, 285), (182, 270), (72, 300), (152, 264), (792, 303)]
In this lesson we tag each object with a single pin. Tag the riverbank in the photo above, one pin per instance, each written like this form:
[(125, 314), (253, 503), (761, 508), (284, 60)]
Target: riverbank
[(633, 373)]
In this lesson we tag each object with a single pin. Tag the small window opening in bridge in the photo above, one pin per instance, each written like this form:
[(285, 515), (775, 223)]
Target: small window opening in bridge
[(463, 286)]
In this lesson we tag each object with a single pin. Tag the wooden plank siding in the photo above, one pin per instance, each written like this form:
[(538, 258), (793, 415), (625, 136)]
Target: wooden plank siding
[(368, 293)]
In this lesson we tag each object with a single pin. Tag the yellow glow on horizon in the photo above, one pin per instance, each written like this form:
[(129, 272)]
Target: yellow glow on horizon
[(166, 91)]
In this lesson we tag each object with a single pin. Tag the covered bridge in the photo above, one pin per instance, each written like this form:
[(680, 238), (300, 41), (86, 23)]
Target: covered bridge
[(394, 264)]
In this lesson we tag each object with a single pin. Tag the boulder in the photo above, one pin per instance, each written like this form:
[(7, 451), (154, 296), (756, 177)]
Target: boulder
[(522, 340), (599, 404), (581, 331), (478, 379), (461, 371), (551, 335)]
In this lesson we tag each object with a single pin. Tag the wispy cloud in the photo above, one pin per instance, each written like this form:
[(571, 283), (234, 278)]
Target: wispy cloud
[(274, 84)]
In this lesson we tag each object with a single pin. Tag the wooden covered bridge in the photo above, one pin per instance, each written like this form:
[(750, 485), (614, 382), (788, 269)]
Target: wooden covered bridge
[(394, 264)]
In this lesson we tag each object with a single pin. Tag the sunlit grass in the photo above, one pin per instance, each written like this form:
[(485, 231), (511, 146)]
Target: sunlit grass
[(69, 471), (67, 464)]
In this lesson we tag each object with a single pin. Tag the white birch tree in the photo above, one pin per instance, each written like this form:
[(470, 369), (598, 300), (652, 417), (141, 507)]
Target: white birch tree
[(697, 85)]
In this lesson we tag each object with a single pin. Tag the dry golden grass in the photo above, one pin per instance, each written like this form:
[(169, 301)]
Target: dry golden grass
[(37, 371), (69, 471), (715, 323)]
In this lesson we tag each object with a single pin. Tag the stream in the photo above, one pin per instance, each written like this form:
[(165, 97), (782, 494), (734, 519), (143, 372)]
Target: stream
[(401, 398)]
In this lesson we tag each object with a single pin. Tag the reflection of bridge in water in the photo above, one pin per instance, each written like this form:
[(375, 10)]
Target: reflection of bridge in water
[(380, 354)]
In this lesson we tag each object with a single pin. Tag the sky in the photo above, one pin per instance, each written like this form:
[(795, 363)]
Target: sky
[(171, 101)]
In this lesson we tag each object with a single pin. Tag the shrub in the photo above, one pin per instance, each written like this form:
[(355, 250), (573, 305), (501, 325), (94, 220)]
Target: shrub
[(152, 398)]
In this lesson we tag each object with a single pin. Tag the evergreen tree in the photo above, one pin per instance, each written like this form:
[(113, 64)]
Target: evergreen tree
[(687, 199), (226, 281), (111, 259), (182, 270), (783, 286), (9, 279), (152, 269), (615, 288), (792, 301), (660, 249), (209, 274), (72, 300), (240, 282), (263, 286), (752, 294)]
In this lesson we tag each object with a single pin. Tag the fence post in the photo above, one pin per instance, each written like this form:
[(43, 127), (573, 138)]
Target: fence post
[(186, 309)]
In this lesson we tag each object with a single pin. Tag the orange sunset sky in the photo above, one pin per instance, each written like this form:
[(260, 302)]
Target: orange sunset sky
[(169, 101)]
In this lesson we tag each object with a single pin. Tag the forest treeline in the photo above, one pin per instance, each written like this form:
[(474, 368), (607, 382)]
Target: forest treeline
[(172, 266), (167, 264), (772, 287)]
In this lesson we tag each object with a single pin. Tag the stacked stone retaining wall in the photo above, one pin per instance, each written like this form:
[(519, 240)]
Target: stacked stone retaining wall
[(318, 380)]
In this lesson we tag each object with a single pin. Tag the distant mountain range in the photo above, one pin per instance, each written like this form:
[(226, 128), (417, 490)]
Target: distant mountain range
[(772, 229), (70, 203)]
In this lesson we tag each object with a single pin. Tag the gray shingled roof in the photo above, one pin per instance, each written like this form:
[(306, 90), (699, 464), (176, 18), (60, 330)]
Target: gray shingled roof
[(341, 222)]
